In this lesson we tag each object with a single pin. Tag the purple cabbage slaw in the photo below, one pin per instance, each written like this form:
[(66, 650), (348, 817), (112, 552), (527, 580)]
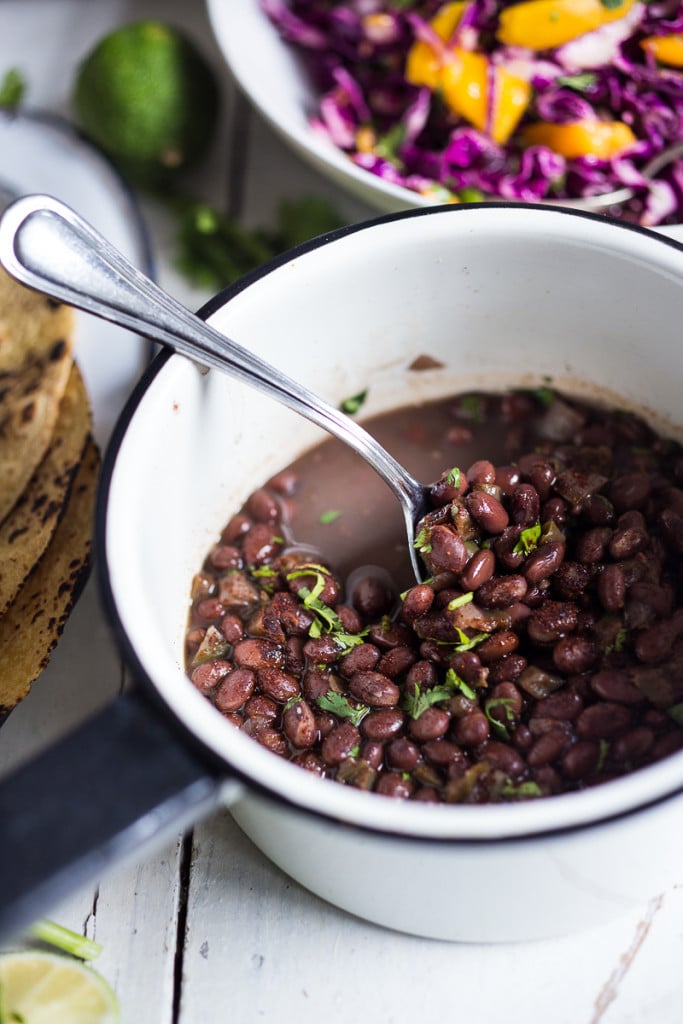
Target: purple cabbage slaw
[(356, 64)]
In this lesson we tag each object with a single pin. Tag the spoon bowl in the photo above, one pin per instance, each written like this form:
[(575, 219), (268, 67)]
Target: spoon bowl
[(46, 245)]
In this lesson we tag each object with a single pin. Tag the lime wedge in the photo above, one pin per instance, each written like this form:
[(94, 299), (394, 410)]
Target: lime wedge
[(44, 988)]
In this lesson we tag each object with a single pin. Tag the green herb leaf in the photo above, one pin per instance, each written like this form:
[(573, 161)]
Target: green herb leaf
[(12, 89), (468, 642), (528, 540), (299, 220), (612, 5), (580, 82), (340, 706), (264, 572), (330, 516), (619, 641), (352, 405), (676, 712), (213, 249), (602, 758), (522, 789), (454, 477), (544, 395), (421, 542), (471, 408), (454, 682), (458, 602), (499, 728), (417, 702)]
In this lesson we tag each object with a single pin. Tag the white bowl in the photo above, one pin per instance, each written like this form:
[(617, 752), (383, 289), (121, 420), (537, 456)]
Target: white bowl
[(498, 295), (269, 71)]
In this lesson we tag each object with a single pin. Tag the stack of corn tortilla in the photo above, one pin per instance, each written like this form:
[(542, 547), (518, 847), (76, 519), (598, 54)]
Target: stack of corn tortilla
[(48, 475)]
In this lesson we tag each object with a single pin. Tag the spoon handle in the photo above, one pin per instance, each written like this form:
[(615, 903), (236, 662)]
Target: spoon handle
[(48, 246)]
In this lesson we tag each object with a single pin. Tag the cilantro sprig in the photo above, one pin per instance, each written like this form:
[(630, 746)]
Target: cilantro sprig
[(499, 728), (326, 620), (528, 540), (417, 702), (342, 707)]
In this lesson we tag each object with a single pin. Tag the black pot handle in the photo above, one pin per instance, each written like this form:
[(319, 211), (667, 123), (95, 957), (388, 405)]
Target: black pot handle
[(124, 779)]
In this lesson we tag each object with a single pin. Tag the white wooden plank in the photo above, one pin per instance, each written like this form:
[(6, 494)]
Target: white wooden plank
[(261, 948)]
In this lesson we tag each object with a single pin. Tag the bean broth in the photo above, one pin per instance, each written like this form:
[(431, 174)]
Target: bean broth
[(541, 655)]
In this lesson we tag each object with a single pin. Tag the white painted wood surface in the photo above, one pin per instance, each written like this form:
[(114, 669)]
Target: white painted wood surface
[(208, 930)]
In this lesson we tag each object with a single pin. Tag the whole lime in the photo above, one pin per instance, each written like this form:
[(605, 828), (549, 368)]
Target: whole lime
[(148, 98)]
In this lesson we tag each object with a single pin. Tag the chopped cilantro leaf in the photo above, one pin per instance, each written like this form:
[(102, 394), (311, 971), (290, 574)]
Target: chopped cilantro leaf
[(468, 642), (340, 706), (454, 682), (604, 751), (330, 516), (619, 641), (421, 542), (418, 702), (523, 789), (499, 728), (453, 477), (264, 572), (353, 404), (544, 395), (676, 712), (528, 540), (470, 407)]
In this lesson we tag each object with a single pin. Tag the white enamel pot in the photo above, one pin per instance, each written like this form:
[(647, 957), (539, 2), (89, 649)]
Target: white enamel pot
[(497, 295)]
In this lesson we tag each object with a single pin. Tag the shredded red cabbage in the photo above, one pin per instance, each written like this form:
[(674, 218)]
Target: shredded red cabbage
[(356, 60)]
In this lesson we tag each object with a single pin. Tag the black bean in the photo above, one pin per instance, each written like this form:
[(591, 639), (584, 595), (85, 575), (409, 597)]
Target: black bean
[(417, 602), (432, 724), (478, 570), (525, 505), (472, 729), (299, 725), (448, 552), (235, 689), (277, 684), (362, 658), (611, 587), (488, 511), (338, 743), (543, 562), (255, 654), (374, 689), (383, 725)]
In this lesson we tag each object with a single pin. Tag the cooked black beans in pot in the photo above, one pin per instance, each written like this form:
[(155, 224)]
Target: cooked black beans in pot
[(543, 653)]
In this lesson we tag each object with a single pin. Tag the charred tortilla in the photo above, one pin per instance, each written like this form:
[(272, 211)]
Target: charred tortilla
[(28, 529), (36, 355), (34, 621)]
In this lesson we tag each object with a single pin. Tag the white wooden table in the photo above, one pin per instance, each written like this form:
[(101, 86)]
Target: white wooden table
[(208, 930)]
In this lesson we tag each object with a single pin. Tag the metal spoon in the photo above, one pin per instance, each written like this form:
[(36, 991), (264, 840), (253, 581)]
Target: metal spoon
[(46, 245)]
